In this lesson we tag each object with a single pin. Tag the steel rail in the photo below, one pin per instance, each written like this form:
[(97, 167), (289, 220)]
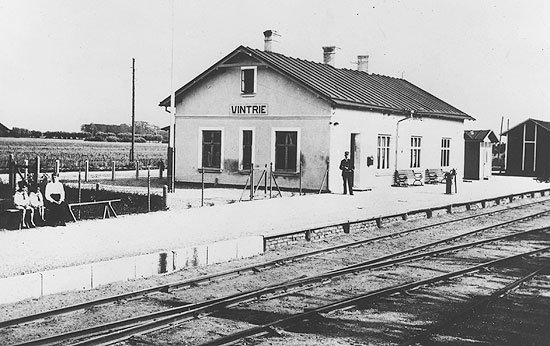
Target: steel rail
[(233, 272), (188, 312), (472, 308), (359, 300), (454, 238)]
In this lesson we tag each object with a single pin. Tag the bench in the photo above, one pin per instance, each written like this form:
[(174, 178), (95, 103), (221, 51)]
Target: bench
[(435, 176), (10, 214), (404, 176), (108, 209)]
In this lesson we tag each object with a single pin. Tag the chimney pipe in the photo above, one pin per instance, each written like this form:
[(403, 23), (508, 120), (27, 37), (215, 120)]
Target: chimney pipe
[(363, 63), (329, 55), (267, 40)]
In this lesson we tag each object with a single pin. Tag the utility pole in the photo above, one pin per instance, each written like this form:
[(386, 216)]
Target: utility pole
[(500, 146), (172, 141), (132, 150)]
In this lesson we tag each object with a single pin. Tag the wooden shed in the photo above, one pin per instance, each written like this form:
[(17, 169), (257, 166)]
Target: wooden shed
[(4, 131), (478, 153), (527, 149)]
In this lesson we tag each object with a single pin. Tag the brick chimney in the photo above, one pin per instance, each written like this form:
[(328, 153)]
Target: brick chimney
[(329, 54), (267, 40), (363, 63)]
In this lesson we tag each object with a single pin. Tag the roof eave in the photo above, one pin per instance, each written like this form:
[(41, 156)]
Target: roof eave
[(381, 109), (166, 101)]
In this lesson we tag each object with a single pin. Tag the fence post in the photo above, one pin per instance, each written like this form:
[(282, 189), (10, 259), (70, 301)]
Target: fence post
[(37, 170), (137, 169), (26, 171), (300, 176), (148, 189), (113, 171), (265, 181), (56, 169), (270, 185), (252, 181), (202, 186), (165, 197), (86, 170), (79, 189), (12, 177)]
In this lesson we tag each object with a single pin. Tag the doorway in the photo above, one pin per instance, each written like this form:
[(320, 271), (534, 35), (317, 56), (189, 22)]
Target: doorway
[(355, 156)]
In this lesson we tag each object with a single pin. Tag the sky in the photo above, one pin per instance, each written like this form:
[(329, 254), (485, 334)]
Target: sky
[(64, 63)]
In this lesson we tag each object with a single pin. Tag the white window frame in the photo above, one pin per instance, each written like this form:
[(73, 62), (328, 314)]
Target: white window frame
[(445, 152), (416, 152), (386, 152), (298, 131), (534, 142), (241, 138), (199, 151), (255, 84)]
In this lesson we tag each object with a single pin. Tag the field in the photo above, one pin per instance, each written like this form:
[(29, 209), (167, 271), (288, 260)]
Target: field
[(72, 153)]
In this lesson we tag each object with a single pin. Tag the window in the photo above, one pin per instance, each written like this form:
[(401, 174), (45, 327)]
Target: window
[(445, 151), (286, 150), (383, 152), (211, 149), (248, 80), (415, 151), (247, 150)]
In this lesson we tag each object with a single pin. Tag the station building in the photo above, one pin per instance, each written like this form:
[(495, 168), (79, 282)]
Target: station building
[(478, 154), (527, 149), (258, 108)]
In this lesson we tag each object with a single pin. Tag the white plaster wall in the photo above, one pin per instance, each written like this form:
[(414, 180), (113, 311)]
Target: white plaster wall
[(214, 95), (313, 145), (371, 124), (290, 107)]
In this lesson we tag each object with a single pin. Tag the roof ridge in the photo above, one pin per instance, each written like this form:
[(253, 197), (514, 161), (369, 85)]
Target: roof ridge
[(343, 87)]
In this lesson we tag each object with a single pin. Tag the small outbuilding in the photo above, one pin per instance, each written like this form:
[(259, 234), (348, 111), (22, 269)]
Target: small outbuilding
[(4, 131), (527, 149), (478, 153)]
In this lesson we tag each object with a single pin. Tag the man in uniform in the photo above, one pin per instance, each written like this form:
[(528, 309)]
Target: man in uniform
[(347, 167)]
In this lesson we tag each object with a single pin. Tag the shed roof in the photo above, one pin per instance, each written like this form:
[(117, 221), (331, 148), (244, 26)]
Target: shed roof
[(4, 129), (344, 87), (480, 135), (544, 124)]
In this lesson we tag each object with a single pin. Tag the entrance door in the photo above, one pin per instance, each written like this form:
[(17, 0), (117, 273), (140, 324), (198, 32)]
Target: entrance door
[(487, 161), (355, 156)]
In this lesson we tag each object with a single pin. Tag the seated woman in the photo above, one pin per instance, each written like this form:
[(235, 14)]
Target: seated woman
[(55, 202), (37, 202), (21, 201)]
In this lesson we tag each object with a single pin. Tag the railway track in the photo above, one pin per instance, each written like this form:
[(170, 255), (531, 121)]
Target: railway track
[(125, 329)]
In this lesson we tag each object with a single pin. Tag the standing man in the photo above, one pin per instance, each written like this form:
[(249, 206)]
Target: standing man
[(347, 167)]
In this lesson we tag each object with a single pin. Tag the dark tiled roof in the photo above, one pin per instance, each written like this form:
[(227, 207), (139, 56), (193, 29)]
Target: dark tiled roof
[(349, 88), (480, 135)]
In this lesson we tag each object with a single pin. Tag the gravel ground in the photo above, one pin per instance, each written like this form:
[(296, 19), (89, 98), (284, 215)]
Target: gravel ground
[(383, 323), (34, 250)]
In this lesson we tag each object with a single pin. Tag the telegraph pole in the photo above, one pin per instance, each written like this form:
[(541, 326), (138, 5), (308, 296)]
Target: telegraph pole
[(132, 150), (172, 133)]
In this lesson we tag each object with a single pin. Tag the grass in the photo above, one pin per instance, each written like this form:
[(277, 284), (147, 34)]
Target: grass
[(72, 153)]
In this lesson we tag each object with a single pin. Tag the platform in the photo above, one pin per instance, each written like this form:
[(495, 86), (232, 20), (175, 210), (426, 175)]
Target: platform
[(144, 243)]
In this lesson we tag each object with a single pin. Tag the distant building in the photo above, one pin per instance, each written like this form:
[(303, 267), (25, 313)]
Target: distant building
[(4, 131), (478, 154), (527, 151), (257, 108)]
